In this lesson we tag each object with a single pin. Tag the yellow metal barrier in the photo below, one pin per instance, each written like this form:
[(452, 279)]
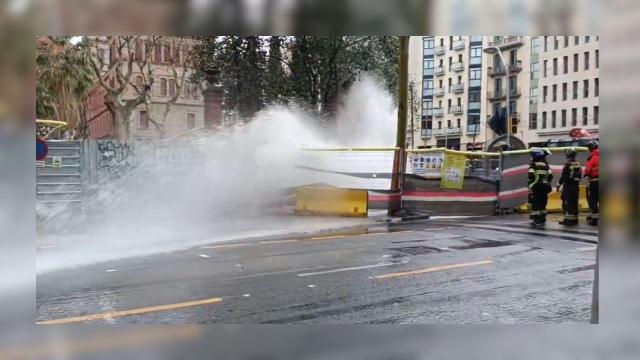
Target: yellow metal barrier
[(555, 203), (331, 201)]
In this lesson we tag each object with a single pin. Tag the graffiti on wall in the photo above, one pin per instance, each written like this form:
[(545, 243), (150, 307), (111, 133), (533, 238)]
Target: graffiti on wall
[(114, 156)]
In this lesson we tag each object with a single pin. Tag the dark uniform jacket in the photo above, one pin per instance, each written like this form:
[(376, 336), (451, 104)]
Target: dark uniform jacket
[(571, 173), (539, 174)]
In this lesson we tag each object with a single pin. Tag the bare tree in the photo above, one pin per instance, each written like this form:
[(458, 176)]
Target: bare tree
[(129, 55)]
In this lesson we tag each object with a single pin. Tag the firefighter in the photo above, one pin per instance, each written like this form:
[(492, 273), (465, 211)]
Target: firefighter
[(570, 183), (592, 174), (540, 177)]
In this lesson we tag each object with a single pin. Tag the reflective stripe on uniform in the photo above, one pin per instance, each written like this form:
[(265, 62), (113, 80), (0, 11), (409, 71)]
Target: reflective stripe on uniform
[(539, 212), (570, 217)]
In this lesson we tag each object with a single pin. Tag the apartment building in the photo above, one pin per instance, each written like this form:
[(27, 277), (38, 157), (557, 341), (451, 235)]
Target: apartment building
[(187, 113), (462, 86), (565, 88), (464, 83)]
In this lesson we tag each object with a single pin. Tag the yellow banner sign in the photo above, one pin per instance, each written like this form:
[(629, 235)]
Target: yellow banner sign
[(453, 171)]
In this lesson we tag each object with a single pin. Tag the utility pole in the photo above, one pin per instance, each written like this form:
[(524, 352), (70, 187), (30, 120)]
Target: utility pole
[(399, 160)]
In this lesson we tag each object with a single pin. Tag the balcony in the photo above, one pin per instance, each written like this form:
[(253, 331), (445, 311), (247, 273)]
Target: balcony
[(447, 132), (515, 68), (438, 112), (458, 44), (504, 42), (502, 95), (456, 109), (438, 70), (496, 96), (457, 67), (426, 133), (457, 88), (438, 91), (473, 129), (439, 50), (496, 71)]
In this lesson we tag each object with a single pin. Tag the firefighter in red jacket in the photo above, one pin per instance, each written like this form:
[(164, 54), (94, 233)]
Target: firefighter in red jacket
[(592, 174)]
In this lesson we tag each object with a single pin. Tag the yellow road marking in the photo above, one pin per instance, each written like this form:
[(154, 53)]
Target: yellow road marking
[(431, 269), (114, 314), (278, 241), (224, 246), (327, 237)]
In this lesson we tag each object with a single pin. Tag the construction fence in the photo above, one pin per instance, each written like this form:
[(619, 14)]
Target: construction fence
[(481, 183)]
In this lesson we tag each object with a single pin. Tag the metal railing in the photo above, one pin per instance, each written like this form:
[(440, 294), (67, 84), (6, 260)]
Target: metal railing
[(473, 129), (438, 50), (438, 111), (457, 66), (456, 109), (425, 133), (439, 70), (447, 132), (457, 88), (506, 41), (438, 91), (458, 44)]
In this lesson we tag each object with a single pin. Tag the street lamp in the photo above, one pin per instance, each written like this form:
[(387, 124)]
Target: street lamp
[(494, 50)]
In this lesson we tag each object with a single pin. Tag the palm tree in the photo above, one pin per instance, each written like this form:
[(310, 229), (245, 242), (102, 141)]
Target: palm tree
[(64, 80)]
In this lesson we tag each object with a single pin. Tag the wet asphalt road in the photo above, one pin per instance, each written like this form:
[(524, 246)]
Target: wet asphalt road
[(489, 270)]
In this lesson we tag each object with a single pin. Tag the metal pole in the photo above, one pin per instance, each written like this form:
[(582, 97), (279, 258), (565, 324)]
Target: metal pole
[(506, 67), (399, 160)]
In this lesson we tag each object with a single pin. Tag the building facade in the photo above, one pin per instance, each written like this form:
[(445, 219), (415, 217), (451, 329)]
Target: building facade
[(463, 83), (186, 114), (565, 89)]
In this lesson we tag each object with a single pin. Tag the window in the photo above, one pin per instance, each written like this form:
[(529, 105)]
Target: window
[(460, 58), (597, 59), (475, 74), (513, 84), (428, 64), (544, 94), (555, 43), (473, 121), (458, 123), (474, 96), (157, 54), (554, 93), (566, 41), (553, 119), (576, 40), (166, 52), (544, 119), (575, 89), (450, 42), (564, 91), (172, 87), (596, 90), (584, 116), (448, 124), (563, 119), (512, 108), (439, 124), (476, 51), (544, 69), (533, 121), (427, 104), (585, 88), (428, 43), (596, 110), (565, 64), (441, 41), (163, 87), (143, 120), (546, 41), (498, 87), (449, 83), (101, 56), (575, 62), (574, 117), (555, 66), (586, 39), (586, 60), (191, 121), (428, 84), (533, 96), (138, 50), (513, 57), (450, 60)]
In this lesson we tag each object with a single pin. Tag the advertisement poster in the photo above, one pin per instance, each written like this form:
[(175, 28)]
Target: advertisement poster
[(426, 164), (453, 171)]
